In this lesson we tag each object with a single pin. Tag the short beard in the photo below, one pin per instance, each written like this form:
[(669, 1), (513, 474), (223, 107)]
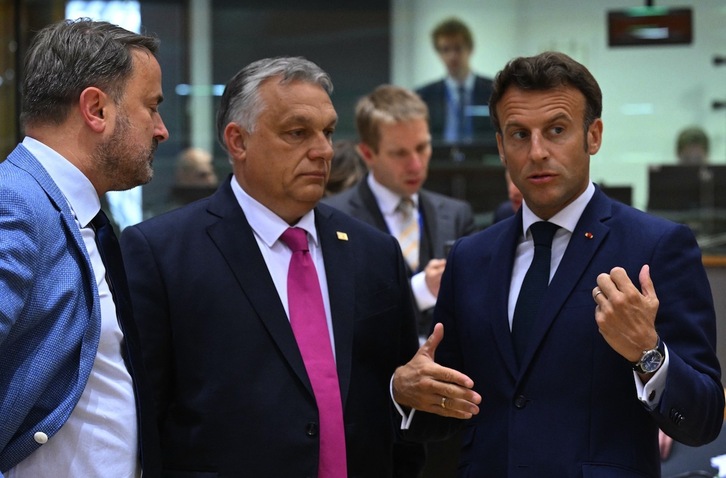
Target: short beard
[(124, 164)]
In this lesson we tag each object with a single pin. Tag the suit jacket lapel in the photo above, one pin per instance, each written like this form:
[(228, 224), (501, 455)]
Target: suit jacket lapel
[(430, 234), (23, 159), (338, 255), (589, 233), (235, 239), (366, 206), (498, 296)]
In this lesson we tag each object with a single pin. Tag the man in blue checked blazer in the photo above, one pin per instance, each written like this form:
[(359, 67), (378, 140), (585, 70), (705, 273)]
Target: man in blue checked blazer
[(73, 397)]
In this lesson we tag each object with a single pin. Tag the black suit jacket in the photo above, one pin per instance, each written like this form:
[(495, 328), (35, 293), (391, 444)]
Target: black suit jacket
[(444, 219), (233, 395), (434, 95)]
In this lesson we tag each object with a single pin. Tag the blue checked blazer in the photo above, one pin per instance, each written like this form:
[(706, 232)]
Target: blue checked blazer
[(50, 317)]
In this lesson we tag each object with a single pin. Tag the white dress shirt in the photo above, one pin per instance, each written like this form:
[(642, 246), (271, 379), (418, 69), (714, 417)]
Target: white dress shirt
[(387, 202), (100, 436), (268, 227)]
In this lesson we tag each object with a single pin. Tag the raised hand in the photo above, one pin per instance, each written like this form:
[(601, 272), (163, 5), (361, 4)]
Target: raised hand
[(425, 385), (625, 315)]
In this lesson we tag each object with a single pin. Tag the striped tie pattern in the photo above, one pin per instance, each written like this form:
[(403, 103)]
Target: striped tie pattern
[(408, 236)]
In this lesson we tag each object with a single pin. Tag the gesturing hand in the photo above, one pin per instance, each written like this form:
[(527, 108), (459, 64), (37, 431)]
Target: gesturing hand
[(425, 385), (624, 315)]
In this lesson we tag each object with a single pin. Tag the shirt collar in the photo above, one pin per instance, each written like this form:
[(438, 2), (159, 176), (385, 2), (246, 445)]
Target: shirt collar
[(387, 200), (265, 223), (567, 218), (75, 186), (453, 85)]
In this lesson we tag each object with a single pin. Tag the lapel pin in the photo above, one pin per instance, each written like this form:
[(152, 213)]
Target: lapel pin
[(342, 236), (588, 235)]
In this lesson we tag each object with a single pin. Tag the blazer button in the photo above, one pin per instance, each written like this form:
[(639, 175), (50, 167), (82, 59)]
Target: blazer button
[(520, 401), (312, 429), (40, 438)]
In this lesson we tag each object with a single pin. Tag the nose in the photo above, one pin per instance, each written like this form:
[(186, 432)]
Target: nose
[(537, 149), (321, 147), (160, 132)]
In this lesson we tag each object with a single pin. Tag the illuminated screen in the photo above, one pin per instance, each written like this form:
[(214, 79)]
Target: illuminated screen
[(650, 26)]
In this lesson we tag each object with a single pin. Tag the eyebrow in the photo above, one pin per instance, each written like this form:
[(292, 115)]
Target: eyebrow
[(555, 118), (306, 120)]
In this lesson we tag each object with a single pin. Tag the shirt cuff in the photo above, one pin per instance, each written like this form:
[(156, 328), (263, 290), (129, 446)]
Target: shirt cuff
[(649, 394), (406, 418), (424, 298)]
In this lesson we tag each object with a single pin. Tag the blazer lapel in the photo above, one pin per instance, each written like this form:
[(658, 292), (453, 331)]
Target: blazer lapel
[(366, 207), (338, 255), (235, 239), (498, 296), (429, 244), (24, 160), (589, 233)]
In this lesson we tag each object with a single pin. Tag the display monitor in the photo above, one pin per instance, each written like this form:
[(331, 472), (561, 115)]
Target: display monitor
[(650, 25)]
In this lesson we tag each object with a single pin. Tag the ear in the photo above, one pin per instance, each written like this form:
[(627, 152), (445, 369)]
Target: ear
[(366, 153), (594, 136), (500, 148), (94, 107), (235, 137)]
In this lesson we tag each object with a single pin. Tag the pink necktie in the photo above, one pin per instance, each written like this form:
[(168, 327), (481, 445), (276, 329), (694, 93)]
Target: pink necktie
[(309, 324)]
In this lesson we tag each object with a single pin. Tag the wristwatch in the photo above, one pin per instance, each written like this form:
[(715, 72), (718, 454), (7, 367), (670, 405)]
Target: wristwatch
[(651, 360)]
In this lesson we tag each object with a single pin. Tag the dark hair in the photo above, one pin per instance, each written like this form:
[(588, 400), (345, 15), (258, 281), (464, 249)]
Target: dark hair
[(452, 27), (241, 101), (546, 71), (691, 135), (346, 168), (69, 56)]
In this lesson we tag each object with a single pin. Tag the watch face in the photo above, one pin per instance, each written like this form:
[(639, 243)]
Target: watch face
[(651, 361)]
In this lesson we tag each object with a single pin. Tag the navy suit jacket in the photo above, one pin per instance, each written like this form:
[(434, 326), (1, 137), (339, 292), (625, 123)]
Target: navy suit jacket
[(233, 395), (435, 96), (571, 409), (444, 219), (50, 316)]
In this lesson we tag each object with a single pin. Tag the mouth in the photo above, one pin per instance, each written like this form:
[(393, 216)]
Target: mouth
[(541, 177)]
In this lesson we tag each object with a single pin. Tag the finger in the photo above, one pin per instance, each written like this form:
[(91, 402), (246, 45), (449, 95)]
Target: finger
[(429, 347), (451, 407), (622, 281), (605, 284), (646, 283)]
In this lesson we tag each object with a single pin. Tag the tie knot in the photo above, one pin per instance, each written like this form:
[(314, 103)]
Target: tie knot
[(405, 206), (295, 238), (543, 232), (100, 220)]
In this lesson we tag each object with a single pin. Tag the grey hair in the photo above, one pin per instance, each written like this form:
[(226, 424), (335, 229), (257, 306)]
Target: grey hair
[(241, 101), (71, 55)]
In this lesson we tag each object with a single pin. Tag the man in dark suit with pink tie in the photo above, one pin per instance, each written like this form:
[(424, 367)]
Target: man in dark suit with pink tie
[(254, 376)]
